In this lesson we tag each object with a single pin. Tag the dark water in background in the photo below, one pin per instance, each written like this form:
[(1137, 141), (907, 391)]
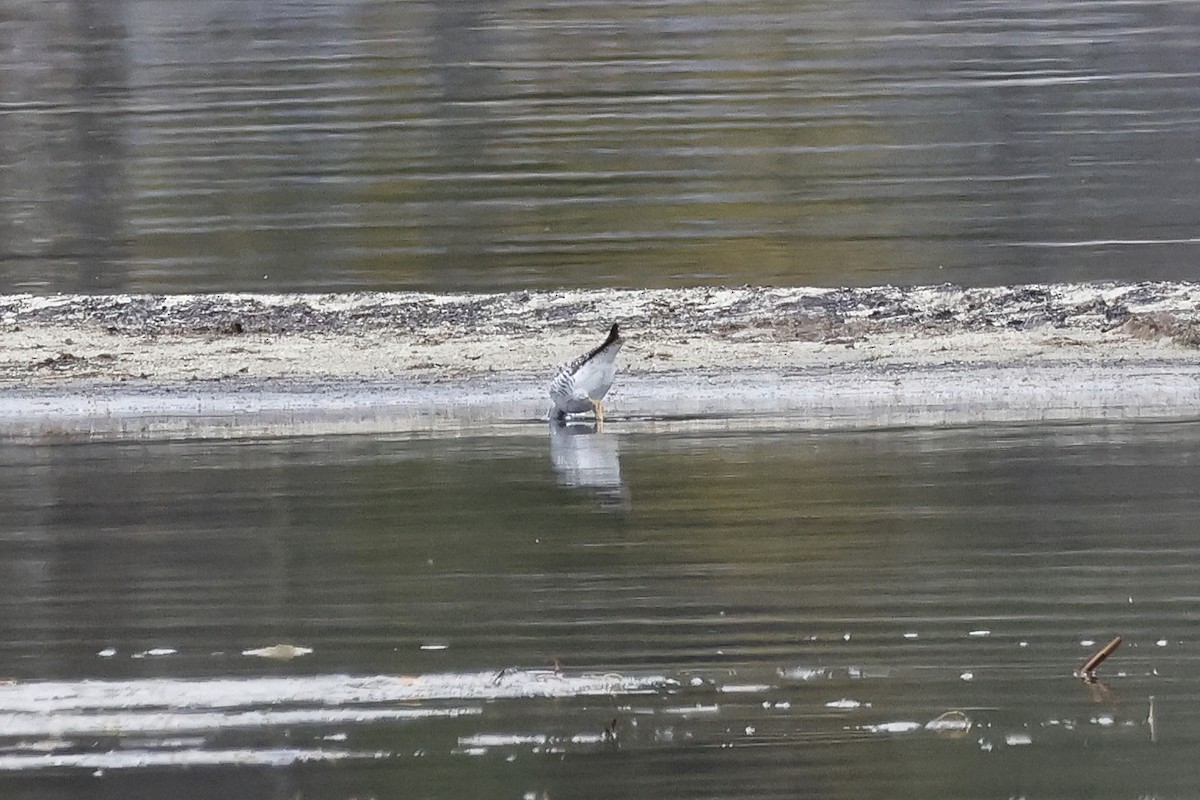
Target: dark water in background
[(774, 614), (182, 145)]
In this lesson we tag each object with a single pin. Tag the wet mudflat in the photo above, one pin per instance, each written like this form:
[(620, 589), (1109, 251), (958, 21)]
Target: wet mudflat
[(670, 611)]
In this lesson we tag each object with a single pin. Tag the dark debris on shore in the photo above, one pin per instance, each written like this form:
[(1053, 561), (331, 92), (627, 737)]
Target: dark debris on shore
[(1143, 310)]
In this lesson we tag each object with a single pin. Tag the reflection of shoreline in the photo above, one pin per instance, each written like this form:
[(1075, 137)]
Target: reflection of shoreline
[(65, 194), (97, 204), (584, 458)]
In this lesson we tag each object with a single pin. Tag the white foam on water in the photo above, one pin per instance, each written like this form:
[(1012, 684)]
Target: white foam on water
[(140, 759), (489, 740), (169, 722), (688, 711), (845, 702), (744, 688), (50, 697), (124, 723), (892, 727)]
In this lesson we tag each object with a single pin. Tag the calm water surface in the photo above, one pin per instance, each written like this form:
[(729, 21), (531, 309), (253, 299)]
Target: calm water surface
[(181, 145), (644, 612)]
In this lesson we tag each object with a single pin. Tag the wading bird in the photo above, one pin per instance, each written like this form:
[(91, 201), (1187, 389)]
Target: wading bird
[(580, 385)]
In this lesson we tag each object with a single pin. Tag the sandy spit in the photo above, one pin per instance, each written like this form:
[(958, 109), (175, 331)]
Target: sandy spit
[(231, 365)]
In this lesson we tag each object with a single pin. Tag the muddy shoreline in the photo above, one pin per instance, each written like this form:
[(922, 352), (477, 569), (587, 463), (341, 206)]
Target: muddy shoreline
[(263, 364)]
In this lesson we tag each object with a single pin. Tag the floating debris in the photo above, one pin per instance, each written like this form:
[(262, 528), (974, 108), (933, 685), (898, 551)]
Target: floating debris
[(744, 688), (950, 723), (804, 673), (846, 702), (689, 711), (892, 727), (480, 744), (156, 652), (279, 652)]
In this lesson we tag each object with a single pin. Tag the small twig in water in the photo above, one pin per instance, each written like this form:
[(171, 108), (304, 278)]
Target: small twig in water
[(610, 733), (1088, 670), (1150, 722)]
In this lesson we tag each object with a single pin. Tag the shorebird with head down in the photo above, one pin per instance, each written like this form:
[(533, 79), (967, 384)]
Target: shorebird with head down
[(580, 385)]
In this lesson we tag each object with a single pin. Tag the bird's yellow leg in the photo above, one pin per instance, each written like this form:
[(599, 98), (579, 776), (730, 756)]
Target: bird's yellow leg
[(599, 409)]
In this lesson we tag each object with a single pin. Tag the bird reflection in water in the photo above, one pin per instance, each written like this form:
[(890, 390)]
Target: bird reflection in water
[(585, 458)]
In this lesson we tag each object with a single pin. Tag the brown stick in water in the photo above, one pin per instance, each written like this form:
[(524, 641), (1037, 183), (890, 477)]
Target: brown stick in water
[(1095, 661)]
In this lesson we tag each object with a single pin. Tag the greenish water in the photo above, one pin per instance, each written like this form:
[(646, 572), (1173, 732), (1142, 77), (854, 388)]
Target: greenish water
[(207, 145), (762, 614)]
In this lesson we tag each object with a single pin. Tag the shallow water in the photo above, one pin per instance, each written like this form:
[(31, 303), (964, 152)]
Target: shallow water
[(163, 145), (638, 612)]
